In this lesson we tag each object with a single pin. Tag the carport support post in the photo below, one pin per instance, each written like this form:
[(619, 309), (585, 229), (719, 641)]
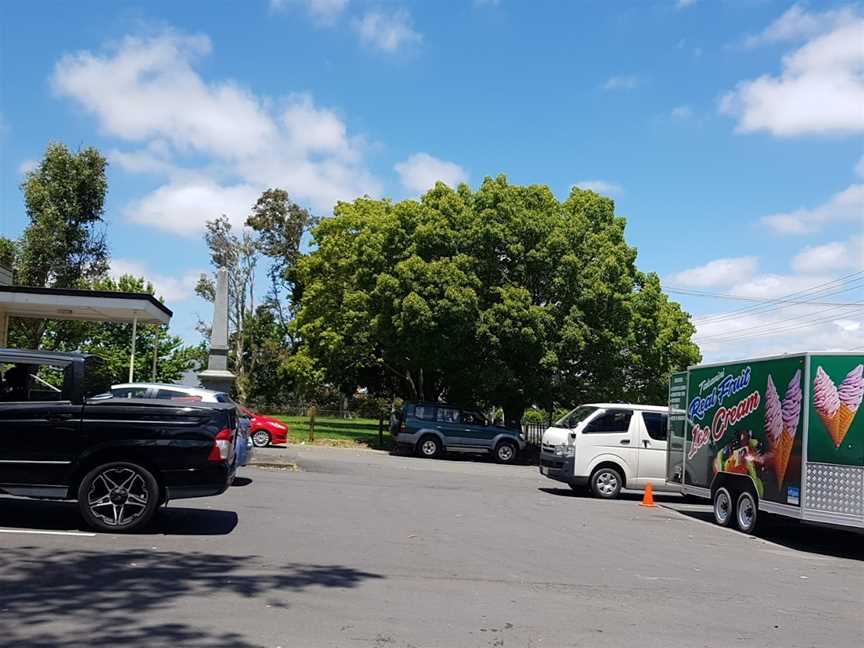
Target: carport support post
[(4, 330), (132, 355), (156, 336)]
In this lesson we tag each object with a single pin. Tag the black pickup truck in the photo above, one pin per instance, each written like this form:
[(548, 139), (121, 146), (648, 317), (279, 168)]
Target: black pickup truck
[(120, 458)]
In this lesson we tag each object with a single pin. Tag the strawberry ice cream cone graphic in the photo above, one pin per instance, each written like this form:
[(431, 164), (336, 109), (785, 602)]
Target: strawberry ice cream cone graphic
[(850, 393), (791, 412), (826, 401), (781, 456), (773, 417)]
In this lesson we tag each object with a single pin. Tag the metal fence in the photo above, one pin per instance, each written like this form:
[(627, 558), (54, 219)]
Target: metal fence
[(534, 432)]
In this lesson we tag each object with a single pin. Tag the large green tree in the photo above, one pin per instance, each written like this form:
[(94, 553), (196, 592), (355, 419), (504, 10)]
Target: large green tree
[(505, 296), (63, 245)]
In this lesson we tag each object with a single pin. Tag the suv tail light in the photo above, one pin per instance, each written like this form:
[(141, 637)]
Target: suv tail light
[(402, 428), (221, 449)]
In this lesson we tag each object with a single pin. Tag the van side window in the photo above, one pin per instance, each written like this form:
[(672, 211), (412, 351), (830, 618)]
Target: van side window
[(424, 412), (611, 421), (655, 423)]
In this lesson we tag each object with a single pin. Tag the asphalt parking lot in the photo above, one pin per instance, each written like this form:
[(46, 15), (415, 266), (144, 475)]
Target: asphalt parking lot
[(361, 548)]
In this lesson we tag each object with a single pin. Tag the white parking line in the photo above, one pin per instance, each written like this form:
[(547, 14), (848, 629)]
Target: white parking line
[(43, 532)]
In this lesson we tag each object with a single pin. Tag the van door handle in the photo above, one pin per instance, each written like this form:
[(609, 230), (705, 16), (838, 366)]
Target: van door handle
[(625, 441), (645, 442)]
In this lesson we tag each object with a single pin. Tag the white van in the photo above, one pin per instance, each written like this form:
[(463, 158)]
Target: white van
[(607, 446)]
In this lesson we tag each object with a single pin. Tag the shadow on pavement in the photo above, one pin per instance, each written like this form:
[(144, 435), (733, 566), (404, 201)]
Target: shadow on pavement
[(792, 534), (64, 516), (241, 481), (631, 496), (67, 598), (527, 457)]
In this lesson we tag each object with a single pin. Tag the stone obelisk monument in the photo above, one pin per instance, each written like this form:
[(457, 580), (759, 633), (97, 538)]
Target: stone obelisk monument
[(216, 376)]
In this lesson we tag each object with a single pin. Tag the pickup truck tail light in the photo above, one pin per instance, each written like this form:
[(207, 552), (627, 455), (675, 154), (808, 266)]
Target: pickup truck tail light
[(221, 449)]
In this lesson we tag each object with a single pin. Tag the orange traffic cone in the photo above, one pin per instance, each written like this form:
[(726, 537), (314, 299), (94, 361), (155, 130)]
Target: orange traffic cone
[(648, 498)]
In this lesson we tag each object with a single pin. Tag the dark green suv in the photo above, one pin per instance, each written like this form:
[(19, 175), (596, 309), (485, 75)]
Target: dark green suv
[(431, 429)]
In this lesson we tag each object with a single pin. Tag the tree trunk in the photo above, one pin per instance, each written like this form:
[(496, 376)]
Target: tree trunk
[(513, 412)]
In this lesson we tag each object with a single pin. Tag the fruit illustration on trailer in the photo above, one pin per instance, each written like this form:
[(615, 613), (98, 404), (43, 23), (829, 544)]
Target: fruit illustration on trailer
[(741, 457)]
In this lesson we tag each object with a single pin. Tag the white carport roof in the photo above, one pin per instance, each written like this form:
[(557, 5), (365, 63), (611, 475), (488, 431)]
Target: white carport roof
[(90, 305)]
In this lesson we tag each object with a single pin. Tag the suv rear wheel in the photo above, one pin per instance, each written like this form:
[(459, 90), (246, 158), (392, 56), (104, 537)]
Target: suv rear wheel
[(429, 447), (118, 497), (506, 452)]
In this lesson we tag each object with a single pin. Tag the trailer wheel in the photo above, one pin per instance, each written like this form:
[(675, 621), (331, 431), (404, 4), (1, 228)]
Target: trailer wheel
[(746, 512), (723, 506)]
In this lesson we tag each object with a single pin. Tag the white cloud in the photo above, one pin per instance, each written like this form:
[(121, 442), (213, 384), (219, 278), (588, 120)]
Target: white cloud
[(757, 326), (847, 205), (821, 88), (797, 23), (600, 186), (315, 130), (184, 206), (859, 168), (27, 166), (838, 255), (684, 4), (682, 112), (421, 171), (146, 90), (721, 272), (387, 31), (324, 11), (622, 82), (171, 289), (141, 161)]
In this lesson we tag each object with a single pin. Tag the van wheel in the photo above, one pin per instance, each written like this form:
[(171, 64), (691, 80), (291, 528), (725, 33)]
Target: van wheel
[(606, 483), (506, 452), (429, 447), (118, 497), (746, 512), (723, 506)]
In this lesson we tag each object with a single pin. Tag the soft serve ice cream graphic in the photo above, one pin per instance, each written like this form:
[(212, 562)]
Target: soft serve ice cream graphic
[(791, 413), (837, 407)]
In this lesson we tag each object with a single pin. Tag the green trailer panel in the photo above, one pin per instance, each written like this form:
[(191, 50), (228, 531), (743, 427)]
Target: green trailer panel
[(747, 418)]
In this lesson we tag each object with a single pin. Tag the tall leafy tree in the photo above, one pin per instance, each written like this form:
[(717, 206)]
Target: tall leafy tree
[(63, 245), (505, 296)]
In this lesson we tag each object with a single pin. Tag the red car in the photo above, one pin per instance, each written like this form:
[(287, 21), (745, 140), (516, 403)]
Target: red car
[(265, 429)]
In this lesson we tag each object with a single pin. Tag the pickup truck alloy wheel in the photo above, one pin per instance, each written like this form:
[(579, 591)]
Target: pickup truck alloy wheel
[(746, 512), (261, 438), (118, 497), (723, 506), (505, 452), (606, 483)]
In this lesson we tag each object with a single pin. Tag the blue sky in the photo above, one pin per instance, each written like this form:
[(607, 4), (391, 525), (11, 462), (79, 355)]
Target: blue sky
[(728, 132)]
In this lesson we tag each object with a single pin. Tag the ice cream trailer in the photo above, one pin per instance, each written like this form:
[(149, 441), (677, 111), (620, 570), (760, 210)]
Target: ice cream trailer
[(777, 435)]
